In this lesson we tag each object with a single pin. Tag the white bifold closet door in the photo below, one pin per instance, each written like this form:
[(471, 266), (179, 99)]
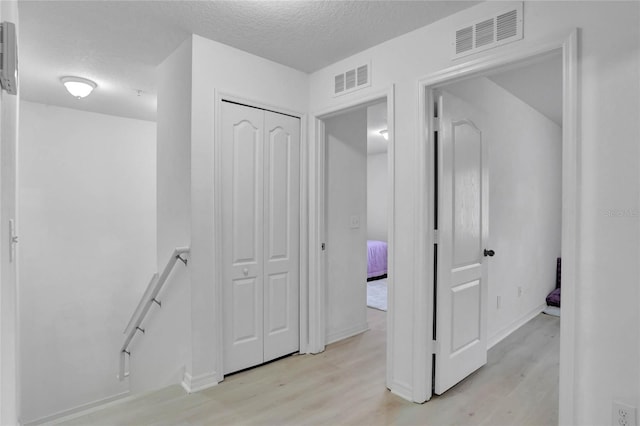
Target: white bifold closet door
[(261, 229)]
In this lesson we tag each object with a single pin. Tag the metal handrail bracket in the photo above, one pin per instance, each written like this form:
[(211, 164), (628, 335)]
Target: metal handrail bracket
[(148, 298)]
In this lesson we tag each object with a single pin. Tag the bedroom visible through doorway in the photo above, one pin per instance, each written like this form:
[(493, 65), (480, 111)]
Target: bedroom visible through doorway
[(377, 206), (356, 188)]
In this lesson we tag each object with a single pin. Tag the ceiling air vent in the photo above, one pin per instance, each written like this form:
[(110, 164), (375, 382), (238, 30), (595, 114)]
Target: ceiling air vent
[(499, 29), (353, 79)]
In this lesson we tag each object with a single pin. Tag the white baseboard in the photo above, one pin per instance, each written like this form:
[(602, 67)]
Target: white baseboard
[(502, 334), (199, 383), (81, 410), (402, 390), (347, 332)]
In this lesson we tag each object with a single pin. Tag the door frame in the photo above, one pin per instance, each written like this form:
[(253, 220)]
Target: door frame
[(423, 346), (218, 245), (317, 218)]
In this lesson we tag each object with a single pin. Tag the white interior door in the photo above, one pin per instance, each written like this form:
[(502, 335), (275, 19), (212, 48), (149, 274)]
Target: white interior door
[(260, 196), (281, 236), (461, 313)]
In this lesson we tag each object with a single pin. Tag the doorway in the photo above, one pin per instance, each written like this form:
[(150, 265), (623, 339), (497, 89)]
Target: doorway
[(498, 216), (356, 236), (318, 293), (567, 48)]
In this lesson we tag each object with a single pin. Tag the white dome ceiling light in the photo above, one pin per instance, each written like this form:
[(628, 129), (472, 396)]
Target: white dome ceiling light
[(78, 87)]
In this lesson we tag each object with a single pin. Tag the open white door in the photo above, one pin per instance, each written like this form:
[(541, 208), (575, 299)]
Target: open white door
[(461, 288)]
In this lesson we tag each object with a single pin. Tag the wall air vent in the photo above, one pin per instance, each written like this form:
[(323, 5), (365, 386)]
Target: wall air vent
[(493, 31), (352, 79)]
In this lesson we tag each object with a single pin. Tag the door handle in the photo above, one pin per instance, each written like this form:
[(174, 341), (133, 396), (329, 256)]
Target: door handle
[(489, 253)]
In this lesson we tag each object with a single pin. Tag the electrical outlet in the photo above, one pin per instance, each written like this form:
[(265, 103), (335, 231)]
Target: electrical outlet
[(355, 222), (623, 414)]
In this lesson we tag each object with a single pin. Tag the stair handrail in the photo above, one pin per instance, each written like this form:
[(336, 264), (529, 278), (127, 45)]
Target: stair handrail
[(147, 300)]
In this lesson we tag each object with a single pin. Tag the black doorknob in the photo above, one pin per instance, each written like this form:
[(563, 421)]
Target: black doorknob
[(489, 252)]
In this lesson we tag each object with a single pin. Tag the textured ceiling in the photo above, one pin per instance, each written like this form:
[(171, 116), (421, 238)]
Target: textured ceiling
[(119, 44)]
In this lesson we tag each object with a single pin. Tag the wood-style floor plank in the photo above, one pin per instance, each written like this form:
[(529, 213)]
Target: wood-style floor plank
[(345, 385)]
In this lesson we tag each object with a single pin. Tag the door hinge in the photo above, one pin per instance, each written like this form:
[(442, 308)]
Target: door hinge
[(435, 347), (323, 246), (436, 237)]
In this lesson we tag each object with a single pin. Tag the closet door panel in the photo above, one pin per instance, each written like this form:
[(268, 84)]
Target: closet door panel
[(282, 235), (243, 216)]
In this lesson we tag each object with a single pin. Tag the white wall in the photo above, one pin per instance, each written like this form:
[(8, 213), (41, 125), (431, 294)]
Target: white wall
[(186, 127), (607, 287), (159, 358), (9, 404), (525, 202), (377, 183), (346, 245), (87, 250), (220, 68)]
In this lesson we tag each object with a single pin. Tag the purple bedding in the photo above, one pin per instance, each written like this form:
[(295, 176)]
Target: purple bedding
[(553, 299), (376, 258)]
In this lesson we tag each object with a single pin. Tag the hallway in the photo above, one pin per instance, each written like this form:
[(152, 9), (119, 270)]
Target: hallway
[(345, 386)]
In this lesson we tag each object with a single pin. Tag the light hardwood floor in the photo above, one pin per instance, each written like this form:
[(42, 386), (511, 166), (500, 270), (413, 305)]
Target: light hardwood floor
[(345, 386)]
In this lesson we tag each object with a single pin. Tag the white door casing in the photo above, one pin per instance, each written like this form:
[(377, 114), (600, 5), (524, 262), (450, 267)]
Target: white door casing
[(260, 202), (461, 317)]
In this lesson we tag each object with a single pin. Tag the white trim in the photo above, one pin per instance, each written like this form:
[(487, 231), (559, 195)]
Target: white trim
[(317, 321), (506, 331), (570, 201), (317, 231), (84, 409), (346, 333), (571, 183), (199, 383), (218, 96), (403, 390)]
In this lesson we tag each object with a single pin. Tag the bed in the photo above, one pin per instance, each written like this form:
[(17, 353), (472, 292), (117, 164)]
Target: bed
[(376, 259)]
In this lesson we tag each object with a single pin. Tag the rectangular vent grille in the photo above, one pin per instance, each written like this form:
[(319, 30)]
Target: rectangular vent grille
[(339, 85), (464, 39), (494, 31), (484, 33), (353, 79), (363, 75), (507, 25)]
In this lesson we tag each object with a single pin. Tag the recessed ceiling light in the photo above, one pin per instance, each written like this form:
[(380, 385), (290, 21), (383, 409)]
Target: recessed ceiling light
[(385, 134), (78, 87)]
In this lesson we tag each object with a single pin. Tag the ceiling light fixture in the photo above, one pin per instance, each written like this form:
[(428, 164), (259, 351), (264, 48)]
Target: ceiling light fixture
[(78, 87), (385, 134)]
